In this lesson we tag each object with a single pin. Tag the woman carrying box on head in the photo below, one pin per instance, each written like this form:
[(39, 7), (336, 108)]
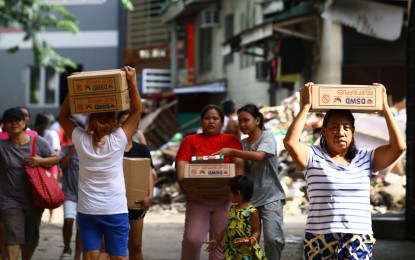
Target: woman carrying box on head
[(338, 181), (102, 204), (205, 216), (136, 216)]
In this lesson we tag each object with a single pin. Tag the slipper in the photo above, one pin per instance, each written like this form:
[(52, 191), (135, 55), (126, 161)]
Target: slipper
[(65, 256)]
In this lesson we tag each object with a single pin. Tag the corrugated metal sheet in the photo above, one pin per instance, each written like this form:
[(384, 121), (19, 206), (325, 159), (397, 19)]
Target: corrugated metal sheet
[(144, 24)]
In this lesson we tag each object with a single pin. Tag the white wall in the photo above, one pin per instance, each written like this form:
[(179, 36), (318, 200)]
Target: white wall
[(331, 53), (242, 85)]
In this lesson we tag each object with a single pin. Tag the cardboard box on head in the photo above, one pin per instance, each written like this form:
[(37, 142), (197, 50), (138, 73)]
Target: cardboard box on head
[(357, 98), (98, 91), (97, 82), (111, 102), (136, 178)]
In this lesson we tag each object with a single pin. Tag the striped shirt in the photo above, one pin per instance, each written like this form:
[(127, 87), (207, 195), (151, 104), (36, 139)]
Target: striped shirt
[(339, 194)]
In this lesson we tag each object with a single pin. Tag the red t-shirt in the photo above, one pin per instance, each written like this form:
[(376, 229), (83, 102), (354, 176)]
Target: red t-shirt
[(201, 144)]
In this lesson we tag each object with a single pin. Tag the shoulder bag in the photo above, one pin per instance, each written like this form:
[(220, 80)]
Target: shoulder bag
[(46, 191)]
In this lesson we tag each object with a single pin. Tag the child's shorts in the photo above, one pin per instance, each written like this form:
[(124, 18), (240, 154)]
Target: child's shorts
[(134, 214), (338, 246), (114, 228), (69, 209)]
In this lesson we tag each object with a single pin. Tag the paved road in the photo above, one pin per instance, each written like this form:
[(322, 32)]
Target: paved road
[(162, 236), (163, 232)]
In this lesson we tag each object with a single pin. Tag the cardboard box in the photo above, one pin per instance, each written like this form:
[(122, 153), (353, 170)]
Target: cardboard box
[(100, 103), (357, 98), (97, 82), (208, 181), (136, 178)]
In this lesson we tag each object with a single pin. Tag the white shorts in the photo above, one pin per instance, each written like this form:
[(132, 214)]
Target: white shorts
[(69, 209)]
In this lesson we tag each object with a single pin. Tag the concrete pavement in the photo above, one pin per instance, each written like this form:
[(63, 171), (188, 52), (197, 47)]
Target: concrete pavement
[(163, 233)]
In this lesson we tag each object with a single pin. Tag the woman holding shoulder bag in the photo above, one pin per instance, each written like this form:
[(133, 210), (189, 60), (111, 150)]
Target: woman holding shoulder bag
[(21, 217)]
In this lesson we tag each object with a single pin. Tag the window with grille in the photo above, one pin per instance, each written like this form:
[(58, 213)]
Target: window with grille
[(205, 51), (229, 27), (43, 87)]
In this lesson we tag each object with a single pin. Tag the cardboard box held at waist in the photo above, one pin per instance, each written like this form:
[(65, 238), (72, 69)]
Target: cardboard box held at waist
[(98, 91), (136, 178), (357, 98), (208, 178)]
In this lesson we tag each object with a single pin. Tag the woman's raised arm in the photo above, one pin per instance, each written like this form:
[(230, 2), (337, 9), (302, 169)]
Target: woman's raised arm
[(131, 123), (387, 154), (292, 144)]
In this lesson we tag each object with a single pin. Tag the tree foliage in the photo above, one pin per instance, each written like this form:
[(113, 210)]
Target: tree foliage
[(34, 17)]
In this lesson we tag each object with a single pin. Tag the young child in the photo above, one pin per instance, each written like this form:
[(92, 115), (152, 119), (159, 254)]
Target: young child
[(261, 166), (240, 236), (69, 162)]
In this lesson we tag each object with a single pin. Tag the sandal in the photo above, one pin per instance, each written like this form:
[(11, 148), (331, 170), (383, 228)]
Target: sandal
[(65, 256)]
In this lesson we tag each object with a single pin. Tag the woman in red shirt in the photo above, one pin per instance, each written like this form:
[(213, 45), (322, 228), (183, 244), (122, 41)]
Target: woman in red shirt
[(205, 216)]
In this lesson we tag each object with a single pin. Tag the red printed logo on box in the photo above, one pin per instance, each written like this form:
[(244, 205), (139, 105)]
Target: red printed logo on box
[(325, 98)]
